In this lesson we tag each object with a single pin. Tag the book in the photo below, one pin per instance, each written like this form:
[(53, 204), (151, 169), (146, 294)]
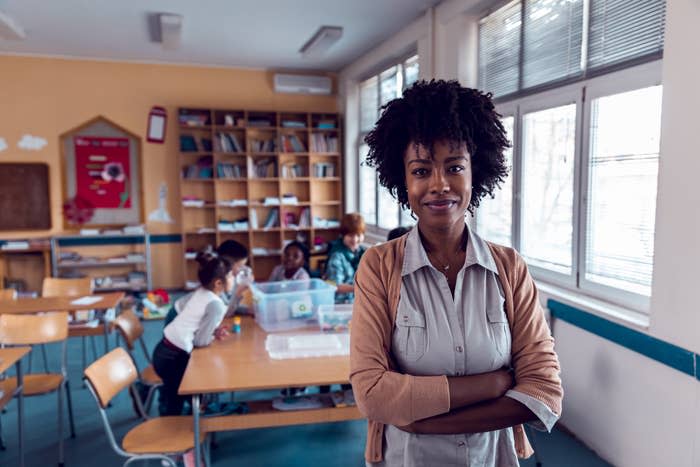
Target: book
[(15, 245), (272, 219)]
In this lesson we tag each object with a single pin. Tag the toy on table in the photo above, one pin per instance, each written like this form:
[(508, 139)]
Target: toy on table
[(154, 302), (236, 324)]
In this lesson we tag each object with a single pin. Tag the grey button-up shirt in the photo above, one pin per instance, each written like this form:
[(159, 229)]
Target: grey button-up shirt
[(437, 333)]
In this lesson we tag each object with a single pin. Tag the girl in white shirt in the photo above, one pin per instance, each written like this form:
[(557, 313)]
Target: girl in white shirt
[(197, 325)]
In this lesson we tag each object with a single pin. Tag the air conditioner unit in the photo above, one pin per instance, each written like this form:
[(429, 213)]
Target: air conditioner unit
[(302, 84)]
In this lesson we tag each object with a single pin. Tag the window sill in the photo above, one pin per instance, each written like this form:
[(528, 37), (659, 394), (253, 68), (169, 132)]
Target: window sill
[(618, 314)]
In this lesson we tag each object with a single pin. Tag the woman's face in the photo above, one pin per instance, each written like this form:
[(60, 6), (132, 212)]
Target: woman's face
[(293, 258), (439, 188), (353, 240)]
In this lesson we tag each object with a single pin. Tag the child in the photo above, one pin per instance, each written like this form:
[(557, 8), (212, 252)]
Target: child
[(295, 258), (236, 254), (397, 232), (196, 325)]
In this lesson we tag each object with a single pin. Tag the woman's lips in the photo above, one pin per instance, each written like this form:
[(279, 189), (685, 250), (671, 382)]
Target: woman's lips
[(440, 205)]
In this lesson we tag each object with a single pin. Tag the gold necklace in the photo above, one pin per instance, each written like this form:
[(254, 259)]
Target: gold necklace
[(446, 265)]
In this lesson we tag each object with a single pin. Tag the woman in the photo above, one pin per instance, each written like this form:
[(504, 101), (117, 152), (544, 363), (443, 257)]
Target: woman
[(450, 351), (344, 256)]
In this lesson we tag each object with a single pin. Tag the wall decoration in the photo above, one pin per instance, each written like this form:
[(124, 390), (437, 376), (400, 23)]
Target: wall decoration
[(25, 202), (31, 143), (157, 119), (161, 214), (3, 144), (102, 176)]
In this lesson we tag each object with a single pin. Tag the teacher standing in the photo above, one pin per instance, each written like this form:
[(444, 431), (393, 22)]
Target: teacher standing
[(450, 351)]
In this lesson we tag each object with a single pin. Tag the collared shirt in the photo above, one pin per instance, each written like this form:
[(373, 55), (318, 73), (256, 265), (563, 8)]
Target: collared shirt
[(438, 333)]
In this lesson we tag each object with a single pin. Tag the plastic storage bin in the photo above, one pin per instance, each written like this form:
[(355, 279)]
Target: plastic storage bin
[(281, 346), (334, 318), (286, 305)]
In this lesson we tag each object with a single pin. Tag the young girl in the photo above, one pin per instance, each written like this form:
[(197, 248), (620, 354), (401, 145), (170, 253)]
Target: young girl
[(295, 257), (196, 325)]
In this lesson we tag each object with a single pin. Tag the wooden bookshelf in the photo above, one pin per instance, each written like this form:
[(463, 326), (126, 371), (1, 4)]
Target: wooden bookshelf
[(261, 178)]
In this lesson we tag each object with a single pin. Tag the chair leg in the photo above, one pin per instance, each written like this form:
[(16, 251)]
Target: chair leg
[(46, 360), (70, 409), (149, 399), (82, 342), (94, 347), (60, 425), (2, 441)]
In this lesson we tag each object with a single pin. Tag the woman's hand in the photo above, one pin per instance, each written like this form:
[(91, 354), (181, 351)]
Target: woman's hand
[(221, 332), (503, 381)]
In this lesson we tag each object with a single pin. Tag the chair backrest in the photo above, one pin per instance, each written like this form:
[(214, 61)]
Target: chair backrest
[(33, 329), (60, 287), (129, 327), (111, 373), (8, 294)]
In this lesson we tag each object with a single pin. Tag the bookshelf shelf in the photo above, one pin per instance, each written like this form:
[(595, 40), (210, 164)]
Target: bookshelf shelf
[(257, 160)]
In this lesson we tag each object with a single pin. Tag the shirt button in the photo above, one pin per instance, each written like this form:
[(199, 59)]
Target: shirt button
[(459, 348)]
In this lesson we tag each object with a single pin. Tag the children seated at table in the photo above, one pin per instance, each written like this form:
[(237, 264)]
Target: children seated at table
[(295, 258), (196, 325)]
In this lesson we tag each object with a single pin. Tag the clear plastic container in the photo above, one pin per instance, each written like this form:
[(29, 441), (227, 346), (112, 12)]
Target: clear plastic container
[(282, 346), (289, 304), (335, 318)]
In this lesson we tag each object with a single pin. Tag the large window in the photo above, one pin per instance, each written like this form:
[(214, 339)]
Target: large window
[(580, 202), (380, 210)]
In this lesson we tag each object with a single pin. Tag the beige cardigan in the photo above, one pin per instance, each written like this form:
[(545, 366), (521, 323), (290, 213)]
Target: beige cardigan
[(385, 396)]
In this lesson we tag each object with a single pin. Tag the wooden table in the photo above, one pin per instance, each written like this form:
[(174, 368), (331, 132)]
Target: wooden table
[(41, 304), (13, 356), (241, 363)]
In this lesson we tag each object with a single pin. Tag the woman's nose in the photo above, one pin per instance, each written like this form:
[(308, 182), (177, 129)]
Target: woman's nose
[(439, 182)]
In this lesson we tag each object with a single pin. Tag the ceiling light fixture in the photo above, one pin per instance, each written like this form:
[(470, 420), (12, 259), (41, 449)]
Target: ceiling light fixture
[(10, 29), (166, 28), (321, 41)]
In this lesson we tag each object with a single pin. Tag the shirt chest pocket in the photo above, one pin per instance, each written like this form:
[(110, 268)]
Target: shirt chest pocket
[(410, 336), (498, 329)]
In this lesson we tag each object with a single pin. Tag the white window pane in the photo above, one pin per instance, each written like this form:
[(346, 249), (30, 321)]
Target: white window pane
[(411, 70), (388, 215), (623, 165), (547, 187), (368, 104), (367, 188), (494, 216), (388, 87)]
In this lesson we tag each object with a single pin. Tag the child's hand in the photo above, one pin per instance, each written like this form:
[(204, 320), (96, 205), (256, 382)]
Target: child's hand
[(221, 332), (240, 290)]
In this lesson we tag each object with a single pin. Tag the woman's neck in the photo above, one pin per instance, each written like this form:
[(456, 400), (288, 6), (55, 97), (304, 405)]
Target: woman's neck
[(446, 240)]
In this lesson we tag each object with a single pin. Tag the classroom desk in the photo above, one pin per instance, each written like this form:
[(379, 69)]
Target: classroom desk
[(241, 363), (41, 304), (13, 356)]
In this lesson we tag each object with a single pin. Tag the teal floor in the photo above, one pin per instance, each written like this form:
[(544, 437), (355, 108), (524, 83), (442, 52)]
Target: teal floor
[(330, 444)]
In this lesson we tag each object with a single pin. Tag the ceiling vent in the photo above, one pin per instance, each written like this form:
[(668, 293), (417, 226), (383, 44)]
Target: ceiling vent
[(303, 84), (166, 28), (321, 41)]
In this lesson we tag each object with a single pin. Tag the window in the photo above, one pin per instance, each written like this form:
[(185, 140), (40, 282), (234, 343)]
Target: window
[(528, 44), (580, 202), (380, 210)]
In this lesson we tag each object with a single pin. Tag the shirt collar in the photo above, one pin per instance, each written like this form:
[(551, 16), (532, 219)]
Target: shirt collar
[(415, 256)]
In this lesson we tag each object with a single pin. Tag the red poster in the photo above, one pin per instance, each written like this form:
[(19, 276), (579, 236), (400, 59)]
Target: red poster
[(102, 171)]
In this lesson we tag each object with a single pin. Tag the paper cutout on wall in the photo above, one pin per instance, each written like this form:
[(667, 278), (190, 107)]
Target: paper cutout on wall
[(3, 144), (161, 214), (31, 143)]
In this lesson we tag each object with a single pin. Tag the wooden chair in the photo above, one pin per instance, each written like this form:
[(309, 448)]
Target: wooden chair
[(130, 329), (61, 287), (156, 438), (37, 329), (8, 294)]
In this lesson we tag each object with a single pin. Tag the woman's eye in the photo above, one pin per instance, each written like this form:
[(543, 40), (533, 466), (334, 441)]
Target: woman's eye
[(456, 169), (419, 172)]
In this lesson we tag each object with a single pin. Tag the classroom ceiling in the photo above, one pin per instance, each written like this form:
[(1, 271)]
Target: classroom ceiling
[(236, 33)]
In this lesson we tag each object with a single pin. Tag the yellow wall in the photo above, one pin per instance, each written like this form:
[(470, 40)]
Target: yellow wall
[(47, 97)]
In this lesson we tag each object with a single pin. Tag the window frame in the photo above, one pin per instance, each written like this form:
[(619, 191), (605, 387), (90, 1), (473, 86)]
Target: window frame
[(582, 93), (372, 226)]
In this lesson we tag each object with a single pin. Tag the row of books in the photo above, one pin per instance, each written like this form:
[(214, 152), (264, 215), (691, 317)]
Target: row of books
[(227, 170), (233, 225), (228, 142), (272, 220), (323, 143), (292, 170), (266, 145), (191, 143), (303, 221), (289, 123), (264, 168), (323, 169), (292, 143), (202, 169), (194, 119)]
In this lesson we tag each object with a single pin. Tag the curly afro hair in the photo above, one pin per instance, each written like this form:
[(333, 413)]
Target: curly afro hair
[(436, 111)]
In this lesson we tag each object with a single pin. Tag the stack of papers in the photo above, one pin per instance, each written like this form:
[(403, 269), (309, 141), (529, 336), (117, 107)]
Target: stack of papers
[(87, 300), (307, 345)]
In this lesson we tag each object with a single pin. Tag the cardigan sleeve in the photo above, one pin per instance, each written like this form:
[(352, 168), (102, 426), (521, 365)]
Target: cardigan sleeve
[(382, 394), (534, 361)]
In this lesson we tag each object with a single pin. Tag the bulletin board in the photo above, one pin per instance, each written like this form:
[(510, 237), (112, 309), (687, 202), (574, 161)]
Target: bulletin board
[(101, 176), (24, 197)]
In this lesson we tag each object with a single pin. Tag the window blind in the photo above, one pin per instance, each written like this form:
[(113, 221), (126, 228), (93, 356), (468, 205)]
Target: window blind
[(499, 50)]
